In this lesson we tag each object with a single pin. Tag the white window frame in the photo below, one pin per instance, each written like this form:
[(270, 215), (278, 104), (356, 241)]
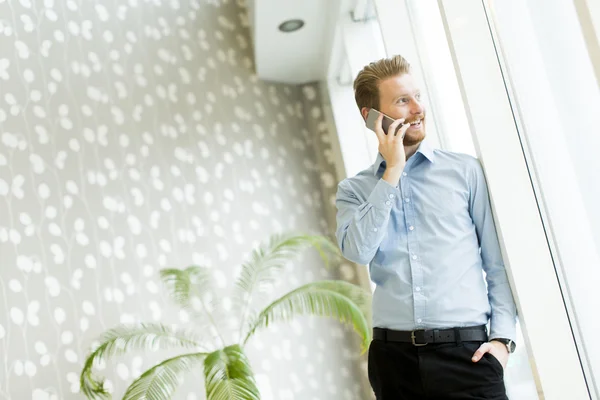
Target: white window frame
[(588, 12), (565, 190)]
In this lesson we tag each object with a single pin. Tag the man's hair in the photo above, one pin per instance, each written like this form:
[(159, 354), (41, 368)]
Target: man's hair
[(366, 84)]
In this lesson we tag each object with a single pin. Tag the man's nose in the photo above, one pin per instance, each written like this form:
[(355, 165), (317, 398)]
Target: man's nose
[(417, 107)]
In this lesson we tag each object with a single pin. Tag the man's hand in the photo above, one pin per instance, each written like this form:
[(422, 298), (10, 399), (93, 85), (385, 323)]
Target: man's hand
[(391, 148), (496, 349)]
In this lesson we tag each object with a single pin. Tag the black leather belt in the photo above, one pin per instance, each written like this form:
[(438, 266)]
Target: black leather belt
[(424, 337)]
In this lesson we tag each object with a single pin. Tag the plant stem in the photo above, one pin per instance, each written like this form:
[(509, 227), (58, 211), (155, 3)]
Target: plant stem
[(210, 317)]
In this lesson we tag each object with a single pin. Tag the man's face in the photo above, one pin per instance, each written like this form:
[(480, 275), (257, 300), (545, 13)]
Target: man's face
[(400, 97)]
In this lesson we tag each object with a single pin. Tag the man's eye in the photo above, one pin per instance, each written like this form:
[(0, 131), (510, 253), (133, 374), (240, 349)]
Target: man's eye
[(418, 96), (403, 100)]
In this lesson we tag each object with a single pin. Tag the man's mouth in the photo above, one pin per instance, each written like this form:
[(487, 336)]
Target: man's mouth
[(416, 124)]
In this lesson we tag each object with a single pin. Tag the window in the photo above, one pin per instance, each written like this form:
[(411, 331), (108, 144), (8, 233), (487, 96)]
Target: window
[(555, 96), (434, 61), (517, 88), (511, 61)]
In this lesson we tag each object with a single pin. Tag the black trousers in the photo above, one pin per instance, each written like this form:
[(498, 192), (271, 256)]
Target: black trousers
[(401, 371)]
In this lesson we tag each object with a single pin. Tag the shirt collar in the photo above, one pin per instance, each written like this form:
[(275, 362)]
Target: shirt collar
[(424, 148)]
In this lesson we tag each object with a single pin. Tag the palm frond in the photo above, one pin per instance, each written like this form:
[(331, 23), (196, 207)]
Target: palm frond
[(260, 271), (126, 338), (184, 285), (161, 381), (187, 289), (272, 256), (229, 375), (327, 248), (348, 303)]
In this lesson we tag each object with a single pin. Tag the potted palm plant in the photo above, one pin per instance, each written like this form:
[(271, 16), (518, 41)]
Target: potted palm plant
[(227, 371)]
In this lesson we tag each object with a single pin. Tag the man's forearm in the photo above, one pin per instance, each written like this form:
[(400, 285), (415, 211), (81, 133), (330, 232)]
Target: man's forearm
[(362, 226), (504, 312)]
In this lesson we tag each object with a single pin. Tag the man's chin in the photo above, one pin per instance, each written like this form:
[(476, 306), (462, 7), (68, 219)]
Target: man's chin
[(414, 138)]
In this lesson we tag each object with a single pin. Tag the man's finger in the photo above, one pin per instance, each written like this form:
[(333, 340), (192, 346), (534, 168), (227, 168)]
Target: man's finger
[(484, 348), (402, 130), (379, 129), (394, 125)]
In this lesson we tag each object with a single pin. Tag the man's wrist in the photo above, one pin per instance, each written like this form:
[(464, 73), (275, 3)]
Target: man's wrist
[(507, 343), (392, 174), (399, 166)]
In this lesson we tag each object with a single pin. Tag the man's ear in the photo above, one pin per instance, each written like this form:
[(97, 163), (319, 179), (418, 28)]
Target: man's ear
[(364, 112)]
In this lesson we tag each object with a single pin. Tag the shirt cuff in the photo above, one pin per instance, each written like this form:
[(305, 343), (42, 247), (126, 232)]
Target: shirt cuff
[(502, 331), (384, 195)]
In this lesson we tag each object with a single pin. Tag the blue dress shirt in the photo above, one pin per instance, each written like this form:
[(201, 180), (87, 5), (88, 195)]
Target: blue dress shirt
[(427, 242)]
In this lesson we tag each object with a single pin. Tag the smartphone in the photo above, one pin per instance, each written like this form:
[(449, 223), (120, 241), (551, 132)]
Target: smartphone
[(385, 122)]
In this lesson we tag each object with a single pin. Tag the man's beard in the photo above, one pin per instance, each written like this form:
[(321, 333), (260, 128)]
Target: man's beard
[(414, 138)]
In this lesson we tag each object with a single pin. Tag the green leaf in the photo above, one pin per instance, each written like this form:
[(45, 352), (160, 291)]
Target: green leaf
[(187, 287), (348, 303), (229, 375), (273, 255), (124, 339), (259, 273), (183, 285), (161, 381)]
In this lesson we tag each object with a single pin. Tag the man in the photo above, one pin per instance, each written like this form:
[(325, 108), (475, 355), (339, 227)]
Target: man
[(421, 219)]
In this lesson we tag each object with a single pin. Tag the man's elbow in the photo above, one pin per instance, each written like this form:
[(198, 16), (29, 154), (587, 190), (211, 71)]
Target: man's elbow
[(352, 247), (356, 255)]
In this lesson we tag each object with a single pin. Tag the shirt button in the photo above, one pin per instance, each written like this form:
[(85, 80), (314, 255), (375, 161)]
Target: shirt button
[(414, 256), (418, 288), (419, 320), (389, 203), (374, 229), (412, 228), (404, 174), (407, 200), (391, 196)]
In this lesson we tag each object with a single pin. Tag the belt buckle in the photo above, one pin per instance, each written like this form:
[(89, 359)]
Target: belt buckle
[(413, 337)]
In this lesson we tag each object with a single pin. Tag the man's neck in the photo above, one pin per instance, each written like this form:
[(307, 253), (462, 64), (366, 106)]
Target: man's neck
[(411, 150)]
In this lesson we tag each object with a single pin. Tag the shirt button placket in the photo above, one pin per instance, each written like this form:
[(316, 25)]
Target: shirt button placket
[(416, 272)]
